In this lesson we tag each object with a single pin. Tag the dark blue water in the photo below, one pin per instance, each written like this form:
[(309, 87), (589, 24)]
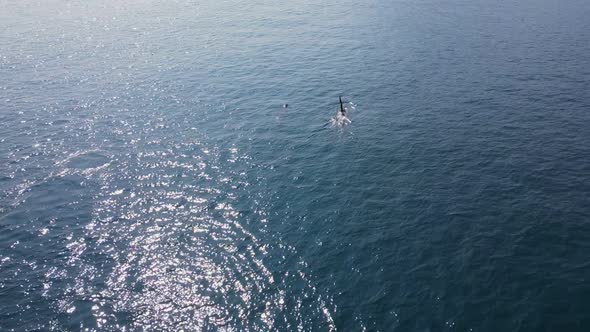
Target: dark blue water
[(150, 178)]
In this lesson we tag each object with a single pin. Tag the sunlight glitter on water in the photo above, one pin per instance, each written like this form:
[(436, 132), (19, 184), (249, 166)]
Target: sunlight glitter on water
[(174, 253)]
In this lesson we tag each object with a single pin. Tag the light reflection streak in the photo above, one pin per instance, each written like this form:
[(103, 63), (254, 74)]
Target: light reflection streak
[(181, 256), (168, 245)]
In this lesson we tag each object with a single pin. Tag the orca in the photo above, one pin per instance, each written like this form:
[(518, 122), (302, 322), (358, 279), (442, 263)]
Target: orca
[(340, 120)]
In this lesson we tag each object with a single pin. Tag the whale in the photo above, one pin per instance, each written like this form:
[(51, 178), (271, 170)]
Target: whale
[(341, 119)]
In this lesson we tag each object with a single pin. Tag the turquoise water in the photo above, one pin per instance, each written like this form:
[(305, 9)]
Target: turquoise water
[(151, 179)]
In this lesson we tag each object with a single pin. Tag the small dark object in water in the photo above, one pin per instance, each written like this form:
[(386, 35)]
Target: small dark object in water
[(285, 105)]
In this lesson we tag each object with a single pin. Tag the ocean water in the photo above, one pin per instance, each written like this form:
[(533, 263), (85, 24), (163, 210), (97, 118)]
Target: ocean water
[(151, 179)]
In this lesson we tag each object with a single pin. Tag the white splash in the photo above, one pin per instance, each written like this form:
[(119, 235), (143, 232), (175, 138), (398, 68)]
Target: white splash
[(341, 119)]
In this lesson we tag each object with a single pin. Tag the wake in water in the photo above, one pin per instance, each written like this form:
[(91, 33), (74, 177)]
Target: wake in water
[(340, 120)]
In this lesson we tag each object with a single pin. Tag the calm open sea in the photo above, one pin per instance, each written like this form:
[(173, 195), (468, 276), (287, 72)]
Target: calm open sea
[(151, 179)]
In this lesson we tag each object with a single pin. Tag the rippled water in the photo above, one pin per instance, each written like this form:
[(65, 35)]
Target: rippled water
[(151, 179)]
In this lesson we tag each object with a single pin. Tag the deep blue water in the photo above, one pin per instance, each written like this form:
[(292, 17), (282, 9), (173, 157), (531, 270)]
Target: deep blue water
[(150, 178)]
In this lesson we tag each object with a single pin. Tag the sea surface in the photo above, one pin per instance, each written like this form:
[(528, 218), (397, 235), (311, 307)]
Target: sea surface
[(152, 179)]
